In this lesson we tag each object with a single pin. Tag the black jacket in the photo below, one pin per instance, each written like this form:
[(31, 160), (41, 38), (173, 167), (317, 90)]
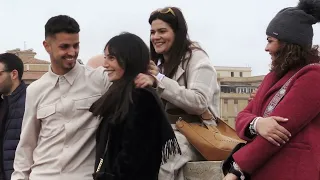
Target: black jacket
[(11, 128), (135, 147)]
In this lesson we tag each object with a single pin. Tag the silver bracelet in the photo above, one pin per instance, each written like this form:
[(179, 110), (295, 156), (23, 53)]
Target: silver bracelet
[(251, 127), (237, 168)]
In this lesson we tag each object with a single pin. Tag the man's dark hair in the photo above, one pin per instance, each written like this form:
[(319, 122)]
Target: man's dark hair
[(12, 62), (61, 23)]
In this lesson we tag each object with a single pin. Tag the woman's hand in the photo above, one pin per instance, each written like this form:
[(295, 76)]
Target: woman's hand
[(144, 80), (153, 68), (230, 176), (253, 95), (269, 129)]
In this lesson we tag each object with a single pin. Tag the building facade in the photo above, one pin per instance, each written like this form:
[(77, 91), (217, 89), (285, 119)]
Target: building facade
[(33, 68), (236, 85), (227, 71)]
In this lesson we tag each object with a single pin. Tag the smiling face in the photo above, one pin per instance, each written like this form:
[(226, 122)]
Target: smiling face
[(162, 36), (272, 47), (63, 49), (115, 71)]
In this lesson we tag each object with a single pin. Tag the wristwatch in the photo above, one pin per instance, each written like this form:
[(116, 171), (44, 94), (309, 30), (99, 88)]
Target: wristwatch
[(251, 127)]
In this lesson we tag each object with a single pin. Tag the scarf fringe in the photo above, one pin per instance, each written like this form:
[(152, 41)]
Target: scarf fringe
[(171, 147)]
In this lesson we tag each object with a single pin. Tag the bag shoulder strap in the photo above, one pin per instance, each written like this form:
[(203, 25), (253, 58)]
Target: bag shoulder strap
[(104, 156), (280, 94)]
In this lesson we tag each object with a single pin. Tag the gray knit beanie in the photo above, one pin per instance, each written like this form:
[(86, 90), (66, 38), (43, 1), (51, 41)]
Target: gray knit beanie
[(294, 24)]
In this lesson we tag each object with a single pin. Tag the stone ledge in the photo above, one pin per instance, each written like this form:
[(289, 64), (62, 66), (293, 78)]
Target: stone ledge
[(203, 170)]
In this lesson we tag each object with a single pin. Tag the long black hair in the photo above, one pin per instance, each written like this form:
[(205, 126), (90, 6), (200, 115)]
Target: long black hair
[(181, 46), (133, 56)]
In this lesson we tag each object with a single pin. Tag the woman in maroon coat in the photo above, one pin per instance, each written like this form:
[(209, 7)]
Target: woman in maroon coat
[(282, 122)]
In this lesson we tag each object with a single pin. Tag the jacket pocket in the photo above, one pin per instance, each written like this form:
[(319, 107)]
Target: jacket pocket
[(44, 112), (292, 162), (85, 103), (85, 119), (49, 120), (298, 145)]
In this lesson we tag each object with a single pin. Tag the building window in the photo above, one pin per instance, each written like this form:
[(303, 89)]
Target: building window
[(226, 101), (241, 75), (236, 101), (232, 74)]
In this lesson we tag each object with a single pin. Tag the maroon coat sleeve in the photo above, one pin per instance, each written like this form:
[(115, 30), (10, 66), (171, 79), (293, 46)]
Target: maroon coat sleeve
[(245, 117), (243, 120), (300, 105)]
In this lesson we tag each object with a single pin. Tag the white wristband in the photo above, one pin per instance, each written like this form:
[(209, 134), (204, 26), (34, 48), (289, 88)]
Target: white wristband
[(255, 124), (160, 76)]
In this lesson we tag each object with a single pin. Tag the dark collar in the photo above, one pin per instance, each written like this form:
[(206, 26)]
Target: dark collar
[(16, 93)]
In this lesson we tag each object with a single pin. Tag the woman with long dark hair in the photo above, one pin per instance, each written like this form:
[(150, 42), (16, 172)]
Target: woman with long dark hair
[(187, 81), (134, 136)]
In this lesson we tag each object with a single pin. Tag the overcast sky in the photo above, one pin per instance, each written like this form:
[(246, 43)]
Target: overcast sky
[(231, 31)]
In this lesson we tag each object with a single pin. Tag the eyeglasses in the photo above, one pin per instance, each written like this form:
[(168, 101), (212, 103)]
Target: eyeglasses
[(164, 11), (4, 71)]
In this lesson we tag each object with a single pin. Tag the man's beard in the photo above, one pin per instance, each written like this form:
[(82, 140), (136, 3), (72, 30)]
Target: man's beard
[(7, 87)]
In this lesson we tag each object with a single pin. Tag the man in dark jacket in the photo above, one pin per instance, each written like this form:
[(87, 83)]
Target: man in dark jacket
[(12, 104)]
